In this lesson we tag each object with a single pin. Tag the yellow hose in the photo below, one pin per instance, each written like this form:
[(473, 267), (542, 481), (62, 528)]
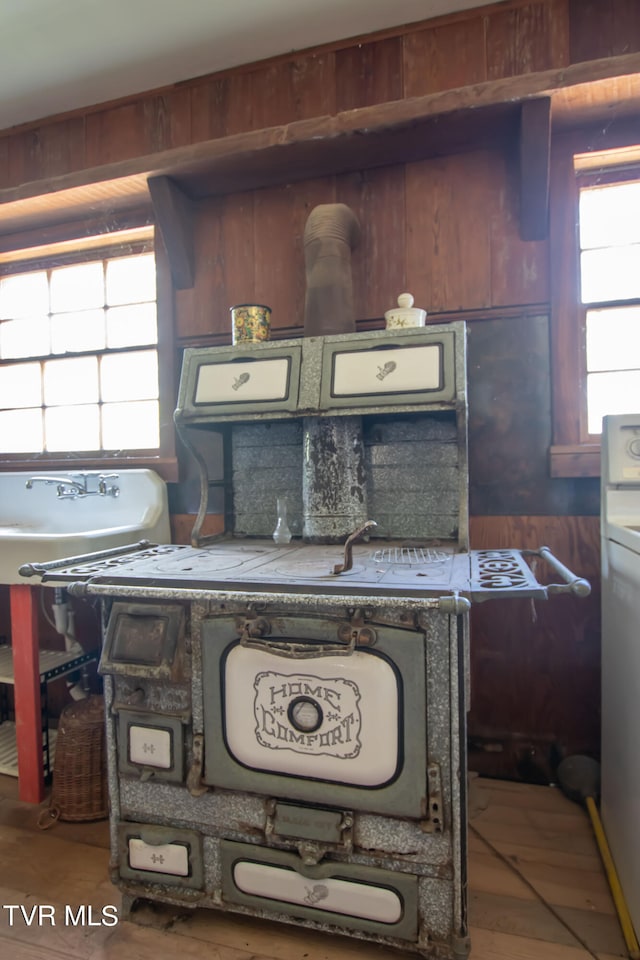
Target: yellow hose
[(626, 924)]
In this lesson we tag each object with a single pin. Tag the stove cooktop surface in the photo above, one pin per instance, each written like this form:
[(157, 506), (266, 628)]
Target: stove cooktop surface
[(379, 567)]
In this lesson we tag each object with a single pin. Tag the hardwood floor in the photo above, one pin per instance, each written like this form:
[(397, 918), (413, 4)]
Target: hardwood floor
[(537, 891)]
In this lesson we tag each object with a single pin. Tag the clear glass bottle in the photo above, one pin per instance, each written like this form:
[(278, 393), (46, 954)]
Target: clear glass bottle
[(282, 533)]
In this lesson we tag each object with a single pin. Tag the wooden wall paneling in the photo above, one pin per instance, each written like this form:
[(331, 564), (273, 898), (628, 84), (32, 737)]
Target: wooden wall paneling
[(603, 28), (448, 258), (239, 104), (293, 90), (377, 197), (147, 125), (15, 153), (114, 134), (236, 255), (221, 106), (46, 151), (167, 120), (272, 95), (519, 268), (197, 307), (280, 218), (278, 257), (313, 81), (444, 57), (369, 73), (209, 108), (535, 668), (182, 525), (224, 266), (560, 41), (526, 39)]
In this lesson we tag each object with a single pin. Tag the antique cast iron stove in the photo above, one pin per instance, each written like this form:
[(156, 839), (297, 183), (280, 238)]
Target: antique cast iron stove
[(286, 723)]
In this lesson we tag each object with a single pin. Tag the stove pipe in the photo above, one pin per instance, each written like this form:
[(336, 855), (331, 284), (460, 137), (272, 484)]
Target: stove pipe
[(334, 492), (334, 499), (331, 232)]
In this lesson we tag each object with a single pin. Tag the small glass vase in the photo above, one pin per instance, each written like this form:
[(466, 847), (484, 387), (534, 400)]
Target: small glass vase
[(282, 533)]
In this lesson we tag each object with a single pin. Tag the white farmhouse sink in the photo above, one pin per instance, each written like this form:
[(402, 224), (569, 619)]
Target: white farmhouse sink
[(37, 525)]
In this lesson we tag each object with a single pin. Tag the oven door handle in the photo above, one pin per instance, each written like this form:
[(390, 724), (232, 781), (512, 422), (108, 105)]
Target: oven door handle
[(572, 584), (255, 635), (298, 651)]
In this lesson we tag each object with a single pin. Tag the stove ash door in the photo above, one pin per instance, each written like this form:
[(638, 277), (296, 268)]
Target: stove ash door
[(346, 728)]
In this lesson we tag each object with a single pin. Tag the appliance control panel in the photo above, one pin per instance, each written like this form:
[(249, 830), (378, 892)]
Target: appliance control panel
[(621, 449)]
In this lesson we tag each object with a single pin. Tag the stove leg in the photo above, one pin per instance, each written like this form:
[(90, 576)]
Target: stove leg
[(127, 906)]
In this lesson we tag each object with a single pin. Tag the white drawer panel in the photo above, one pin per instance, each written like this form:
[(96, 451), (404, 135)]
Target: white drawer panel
[(150, 747), (166, 858), (337, 896)]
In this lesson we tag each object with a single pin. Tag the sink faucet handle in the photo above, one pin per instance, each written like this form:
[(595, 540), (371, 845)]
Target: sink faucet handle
[(106, 490)]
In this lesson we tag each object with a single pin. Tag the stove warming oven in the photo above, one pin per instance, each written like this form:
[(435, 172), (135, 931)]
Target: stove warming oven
[(286, 723)]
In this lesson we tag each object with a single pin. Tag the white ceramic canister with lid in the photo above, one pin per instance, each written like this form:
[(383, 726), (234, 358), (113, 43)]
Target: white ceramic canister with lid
[(405, 314)]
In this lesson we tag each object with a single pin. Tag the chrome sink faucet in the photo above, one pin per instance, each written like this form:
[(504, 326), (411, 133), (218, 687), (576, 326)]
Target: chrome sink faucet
[(72, 488)]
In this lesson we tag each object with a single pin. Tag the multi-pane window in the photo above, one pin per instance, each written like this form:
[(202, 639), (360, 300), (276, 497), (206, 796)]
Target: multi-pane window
[(609, 218), (79, 358)]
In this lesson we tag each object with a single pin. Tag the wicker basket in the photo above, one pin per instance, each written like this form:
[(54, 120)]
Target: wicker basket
[(79, 789)]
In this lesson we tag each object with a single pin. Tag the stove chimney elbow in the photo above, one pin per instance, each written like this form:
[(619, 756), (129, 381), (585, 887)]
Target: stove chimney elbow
[(332, 231)]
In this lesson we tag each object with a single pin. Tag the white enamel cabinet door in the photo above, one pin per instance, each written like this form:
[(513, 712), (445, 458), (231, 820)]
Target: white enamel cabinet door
[(399, 370), (243, 382)]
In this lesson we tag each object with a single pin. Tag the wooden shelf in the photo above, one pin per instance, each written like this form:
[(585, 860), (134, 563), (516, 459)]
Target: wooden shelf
[(365, 137), (53, 663), (519, 112)]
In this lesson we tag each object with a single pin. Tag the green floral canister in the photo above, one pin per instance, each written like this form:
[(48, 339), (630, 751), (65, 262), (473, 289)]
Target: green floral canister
[(251, 322)]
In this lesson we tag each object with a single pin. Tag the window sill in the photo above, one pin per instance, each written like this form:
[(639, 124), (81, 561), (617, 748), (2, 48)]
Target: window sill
[(575, 460), (165, 467)]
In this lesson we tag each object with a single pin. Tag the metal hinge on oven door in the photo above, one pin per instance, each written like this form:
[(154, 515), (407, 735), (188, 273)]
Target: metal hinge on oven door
[(434, 822), (256, 633), (195, 786)]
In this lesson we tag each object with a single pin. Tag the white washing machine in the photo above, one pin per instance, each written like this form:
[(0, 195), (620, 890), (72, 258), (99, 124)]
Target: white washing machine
[(620, 533)]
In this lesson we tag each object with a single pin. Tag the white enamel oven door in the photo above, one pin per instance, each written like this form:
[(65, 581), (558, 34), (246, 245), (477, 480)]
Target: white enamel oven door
[(344, 729)]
